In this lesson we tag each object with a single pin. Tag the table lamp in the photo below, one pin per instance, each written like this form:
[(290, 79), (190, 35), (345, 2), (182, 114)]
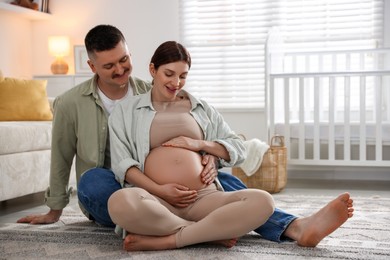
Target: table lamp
[(59, 47)]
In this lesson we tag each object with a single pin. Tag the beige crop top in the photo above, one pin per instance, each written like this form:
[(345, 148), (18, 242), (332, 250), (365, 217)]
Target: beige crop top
[(172, 120)]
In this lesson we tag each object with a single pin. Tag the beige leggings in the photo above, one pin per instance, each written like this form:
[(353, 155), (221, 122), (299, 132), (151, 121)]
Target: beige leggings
[(215, 215)]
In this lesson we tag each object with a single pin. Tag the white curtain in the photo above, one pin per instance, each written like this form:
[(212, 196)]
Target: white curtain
[(226, 40)]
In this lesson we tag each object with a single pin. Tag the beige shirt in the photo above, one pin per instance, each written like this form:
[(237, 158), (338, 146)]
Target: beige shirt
[(173, 119), (80, 131)]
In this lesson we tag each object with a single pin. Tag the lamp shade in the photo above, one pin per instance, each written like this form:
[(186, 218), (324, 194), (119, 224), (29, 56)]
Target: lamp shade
[(59, 46)]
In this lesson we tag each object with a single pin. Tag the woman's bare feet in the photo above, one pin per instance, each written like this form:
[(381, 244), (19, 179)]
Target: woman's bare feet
[(133, 242), (309, 231), (229, 243)]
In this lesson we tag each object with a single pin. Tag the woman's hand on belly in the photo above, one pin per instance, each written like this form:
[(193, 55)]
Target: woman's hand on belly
[(177, 195), (210, 171), (185, 143)]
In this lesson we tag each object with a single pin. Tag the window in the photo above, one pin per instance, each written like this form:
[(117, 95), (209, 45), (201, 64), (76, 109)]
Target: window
[(226, 40)]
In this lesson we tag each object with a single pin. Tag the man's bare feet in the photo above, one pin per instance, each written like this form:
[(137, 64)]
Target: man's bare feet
[(133, 242), (309, 231)]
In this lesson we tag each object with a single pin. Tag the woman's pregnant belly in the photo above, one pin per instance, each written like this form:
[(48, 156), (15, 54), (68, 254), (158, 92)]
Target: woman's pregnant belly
[(175, 165)]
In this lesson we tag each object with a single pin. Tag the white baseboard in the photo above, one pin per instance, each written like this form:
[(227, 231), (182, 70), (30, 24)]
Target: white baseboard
[(339, 173), (336, 173)]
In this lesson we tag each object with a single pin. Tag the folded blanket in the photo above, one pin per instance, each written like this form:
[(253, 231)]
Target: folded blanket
[(255, 150)]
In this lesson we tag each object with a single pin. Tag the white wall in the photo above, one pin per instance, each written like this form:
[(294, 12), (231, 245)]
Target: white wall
[(145, 24), (15, 45)]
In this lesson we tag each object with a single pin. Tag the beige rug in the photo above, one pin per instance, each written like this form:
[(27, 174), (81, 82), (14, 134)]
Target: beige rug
[(365, 236)]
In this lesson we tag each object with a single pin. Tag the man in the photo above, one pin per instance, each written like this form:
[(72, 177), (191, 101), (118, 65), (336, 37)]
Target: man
[(80, 130)]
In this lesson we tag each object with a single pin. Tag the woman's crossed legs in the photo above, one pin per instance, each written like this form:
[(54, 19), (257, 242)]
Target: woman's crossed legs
[(155, 225)]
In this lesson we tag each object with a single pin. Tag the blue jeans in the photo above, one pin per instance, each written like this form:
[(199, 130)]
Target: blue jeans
[(275, 226), (96, 186)]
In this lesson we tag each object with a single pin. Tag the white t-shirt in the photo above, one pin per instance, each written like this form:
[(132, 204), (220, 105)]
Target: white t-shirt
[(108, 103)]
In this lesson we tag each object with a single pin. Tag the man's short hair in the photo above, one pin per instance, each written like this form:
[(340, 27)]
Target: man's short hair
[(103, 38)]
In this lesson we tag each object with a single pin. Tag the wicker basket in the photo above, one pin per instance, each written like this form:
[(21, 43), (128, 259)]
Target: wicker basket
[(272, 174)]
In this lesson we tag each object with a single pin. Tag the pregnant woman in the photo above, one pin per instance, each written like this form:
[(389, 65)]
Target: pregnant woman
[(156, 144)]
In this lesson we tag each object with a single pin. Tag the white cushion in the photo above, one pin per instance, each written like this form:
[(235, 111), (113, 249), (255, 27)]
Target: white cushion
[(24, 136)]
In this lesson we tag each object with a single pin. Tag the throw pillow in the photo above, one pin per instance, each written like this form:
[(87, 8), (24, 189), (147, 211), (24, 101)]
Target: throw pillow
[(24, 100)]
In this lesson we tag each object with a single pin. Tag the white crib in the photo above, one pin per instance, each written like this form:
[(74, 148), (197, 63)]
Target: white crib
[(332, 107)]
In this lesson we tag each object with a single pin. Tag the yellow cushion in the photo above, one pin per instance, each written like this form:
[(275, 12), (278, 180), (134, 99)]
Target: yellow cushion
[(24, 100)]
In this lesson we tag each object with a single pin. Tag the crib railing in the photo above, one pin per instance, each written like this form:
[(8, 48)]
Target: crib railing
[(333, 107), (332, 118), (334, 61)]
